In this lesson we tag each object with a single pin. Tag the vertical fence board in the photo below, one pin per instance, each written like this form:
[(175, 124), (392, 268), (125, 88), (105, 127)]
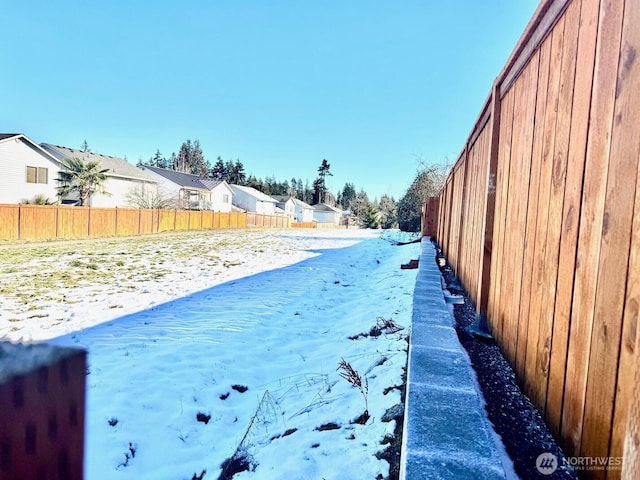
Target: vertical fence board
[(614, 251), (207, 220), (166, 220), (488, 214), (531, 212), (590, 231), (128, 221), (535, 360), (182, 219), (73, 222), (556, 196), (37, 222), (502, 184), (518, 193), (524, 337), (630, 78), (146, 222), (9, 222), (572, 205), (103, 222)]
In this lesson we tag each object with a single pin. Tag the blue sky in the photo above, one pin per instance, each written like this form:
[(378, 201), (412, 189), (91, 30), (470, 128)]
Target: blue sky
[(372, 86)]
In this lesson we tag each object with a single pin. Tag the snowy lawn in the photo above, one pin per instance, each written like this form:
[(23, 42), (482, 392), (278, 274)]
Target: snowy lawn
[(266, 347)]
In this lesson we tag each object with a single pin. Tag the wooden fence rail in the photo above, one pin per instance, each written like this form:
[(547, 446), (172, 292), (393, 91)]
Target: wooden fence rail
[(39, 222), (540, 218)]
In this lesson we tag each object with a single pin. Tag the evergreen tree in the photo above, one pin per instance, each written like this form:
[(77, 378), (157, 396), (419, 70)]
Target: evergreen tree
[(370, 217), (219, 171), (85, 147), (320, 185), (158, 160), (293, 188), (388, 212), (359, 206), (197, 163), (237, 174), (182, 162), (348, 193)]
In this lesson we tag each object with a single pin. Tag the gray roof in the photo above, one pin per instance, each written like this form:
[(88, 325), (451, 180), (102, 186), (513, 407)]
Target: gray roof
[(4, 136), (302, 204), (282, 199), (117, 167), (211, 183), (254, 193), (186, 180), (323, 207)]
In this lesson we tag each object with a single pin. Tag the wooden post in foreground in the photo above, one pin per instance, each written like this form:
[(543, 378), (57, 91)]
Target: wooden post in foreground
[(42, 405)]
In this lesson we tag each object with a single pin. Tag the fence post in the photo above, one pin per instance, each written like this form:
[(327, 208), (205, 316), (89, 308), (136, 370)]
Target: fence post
[(42, 411), (463, 209), (484, 273)]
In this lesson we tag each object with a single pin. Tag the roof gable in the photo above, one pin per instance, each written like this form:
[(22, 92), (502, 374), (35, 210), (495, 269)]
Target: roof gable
[(254, 193), (323, 207), (20, 137)]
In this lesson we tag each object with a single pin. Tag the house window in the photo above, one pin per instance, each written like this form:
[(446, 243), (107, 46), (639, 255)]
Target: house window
[(37, 175), (225, 198)]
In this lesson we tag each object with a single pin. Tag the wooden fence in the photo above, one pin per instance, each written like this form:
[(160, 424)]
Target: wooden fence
[(540, 218), (33, 222)]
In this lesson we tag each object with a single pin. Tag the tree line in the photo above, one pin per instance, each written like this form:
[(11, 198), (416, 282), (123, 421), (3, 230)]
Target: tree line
[(385, 212)]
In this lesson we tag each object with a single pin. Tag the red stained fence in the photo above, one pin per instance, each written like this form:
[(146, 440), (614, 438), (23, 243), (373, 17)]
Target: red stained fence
[(33, 222), (540, 218)]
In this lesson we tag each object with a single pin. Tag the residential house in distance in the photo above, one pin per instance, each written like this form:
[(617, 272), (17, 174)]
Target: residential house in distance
[(297, 210), (188, 190), (221, 195), (27, 170), (251, 200), (122, 177), (323, 213)]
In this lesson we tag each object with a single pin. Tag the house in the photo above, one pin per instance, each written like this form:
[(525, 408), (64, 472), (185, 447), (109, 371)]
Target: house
[(221, 195), (188, 191), (123, 179), (323, 213), (27, 170), (297, 210), (252, 200)]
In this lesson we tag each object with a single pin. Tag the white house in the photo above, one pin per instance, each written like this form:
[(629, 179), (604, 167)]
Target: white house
[(188, 191), (323, 213), (252, 200), (27, 170), (221, 195), (122, 177), (295, 209)]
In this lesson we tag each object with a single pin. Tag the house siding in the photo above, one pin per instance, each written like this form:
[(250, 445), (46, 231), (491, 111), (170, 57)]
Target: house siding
[(303, 214), (217, 198), (251, 204), (119, 190), (15, 156)]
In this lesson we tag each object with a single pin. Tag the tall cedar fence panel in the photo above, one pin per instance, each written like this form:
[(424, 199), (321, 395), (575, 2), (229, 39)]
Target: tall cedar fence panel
[(540, 218)]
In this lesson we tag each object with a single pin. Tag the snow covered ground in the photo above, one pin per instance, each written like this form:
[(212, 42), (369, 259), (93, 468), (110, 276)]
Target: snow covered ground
[(207, 345)]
